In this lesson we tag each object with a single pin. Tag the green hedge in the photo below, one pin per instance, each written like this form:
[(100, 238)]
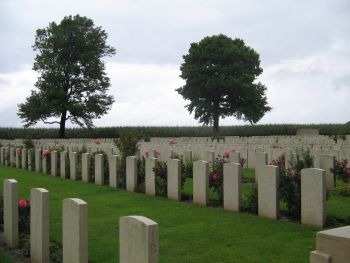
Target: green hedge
[(200, 131)]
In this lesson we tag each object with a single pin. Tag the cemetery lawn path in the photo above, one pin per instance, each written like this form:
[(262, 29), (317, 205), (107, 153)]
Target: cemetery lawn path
[(188, 233)]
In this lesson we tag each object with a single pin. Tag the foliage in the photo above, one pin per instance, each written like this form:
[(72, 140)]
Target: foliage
[(341, 170), (250, 200), (176, 131), (72, 84), (28, 143), (188, 166), (141, 175), (161, 173), (128, 143), (290, 180), (46, 157), (216, 178), (121, 178), (24, 216), (220, 75)]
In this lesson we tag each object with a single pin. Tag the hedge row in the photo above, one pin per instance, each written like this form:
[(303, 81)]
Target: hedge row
[(201, 131)]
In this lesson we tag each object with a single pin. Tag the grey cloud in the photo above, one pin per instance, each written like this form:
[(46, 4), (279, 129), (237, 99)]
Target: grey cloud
[(157, 31)]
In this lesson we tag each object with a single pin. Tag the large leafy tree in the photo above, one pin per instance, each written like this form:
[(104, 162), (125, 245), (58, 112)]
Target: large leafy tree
[(220, 75), (72, 84)]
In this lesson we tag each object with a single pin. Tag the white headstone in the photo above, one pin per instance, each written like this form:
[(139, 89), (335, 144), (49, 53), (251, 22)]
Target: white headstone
[(10, 192), (232, 186), (75, 231), (268, 201), (201, 183), (174, 179), (313, 197), (39, 225), (138, 240)]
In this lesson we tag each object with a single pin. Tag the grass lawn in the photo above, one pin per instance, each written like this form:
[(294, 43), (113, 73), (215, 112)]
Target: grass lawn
[(188, 233), (4, 259)]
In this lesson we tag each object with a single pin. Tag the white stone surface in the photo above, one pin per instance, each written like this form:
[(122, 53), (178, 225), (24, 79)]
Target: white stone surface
[(38, 166), (10, 192), (39, 225), (138, 240), (131, 173), (24, 159), (12, 157), (73, 166), (268, 202), (75, 231), (232, 186), (201, 183), (260, 161), (85, 169), (2, 155), (54, 163), (326, 162), (114, 167), (313, 197), (174, 179), (18, 154), (209, 157), (63, 164), (99, 169), (150, 176), (336, 243), (235, 157)]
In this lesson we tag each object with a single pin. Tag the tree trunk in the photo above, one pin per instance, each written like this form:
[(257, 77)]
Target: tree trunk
[(63, 124), (216, 124)]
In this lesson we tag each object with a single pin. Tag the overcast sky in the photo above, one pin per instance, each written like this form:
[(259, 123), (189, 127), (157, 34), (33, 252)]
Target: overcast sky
[(304, 48)]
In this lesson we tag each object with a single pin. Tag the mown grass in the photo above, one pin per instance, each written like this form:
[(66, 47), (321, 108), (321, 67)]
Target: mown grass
[(188, 233), (4, 259)]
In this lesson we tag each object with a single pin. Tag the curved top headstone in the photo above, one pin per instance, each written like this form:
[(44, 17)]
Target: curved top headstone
[(138, 240)]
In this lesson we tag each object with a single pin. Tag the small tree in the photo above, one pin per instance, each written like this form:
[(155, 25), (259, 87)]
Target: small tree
[(220, 75), (72, 84)]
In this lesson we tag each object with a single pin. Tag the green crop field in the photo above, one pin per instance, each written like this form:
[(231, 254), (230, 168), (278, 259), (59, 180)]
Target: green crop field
[(177, 131)]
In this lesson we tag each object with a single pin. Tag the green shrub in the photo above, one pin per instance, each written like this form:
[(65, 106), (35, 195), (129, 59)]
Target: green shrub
[(250, 200), (128, 143), (188, 166), (341, 171), (28, 143), (290, 180)]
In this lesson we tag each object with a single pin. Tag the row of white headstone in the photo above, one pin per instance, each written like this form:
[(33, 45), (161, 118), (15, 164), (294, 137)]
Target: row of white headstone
[(138, 236), (312, 183)]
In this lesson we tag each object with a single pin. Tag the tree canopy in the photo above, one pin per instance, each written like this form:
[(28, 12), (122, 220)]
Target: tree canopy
[(72, 84), (220, 75)]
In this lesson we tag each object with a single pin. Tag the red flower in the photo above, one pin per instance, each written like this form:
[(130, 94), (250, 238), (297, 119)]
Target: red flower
[(98, 141), (231, 150), (46, 153), (22, 203), (157, 153), (146, 154), (215, 176), (226, 155), (348, 171)]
